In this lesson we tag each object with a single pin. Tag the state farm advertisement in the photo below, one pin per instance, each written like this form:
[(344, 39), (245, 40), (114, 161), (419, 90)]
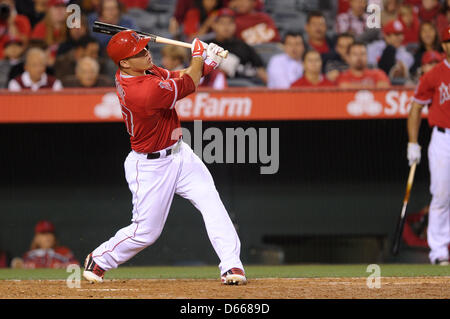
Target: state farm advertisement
[(102, 105)]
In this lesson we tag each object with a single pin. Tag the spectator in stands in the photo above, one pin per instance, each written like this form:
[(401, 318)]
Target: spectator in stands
[(428, 41), (429, 60), (173, 57), (285, 68), (358, 75), (52, 29), (13, 51), (12, 24), (85, 47), (181, 8), (410, 22), (34, 77), (312, 76), (35, 10), (392, 32), (443, 19), (390, 11), (354, 20), (87, 75), (74, 35), (110, 11), (316, 30), (199, 19), (429, 10), (45, 252), (254, 27), (19, 68), (336, 61), (395, 60), (243, 61)]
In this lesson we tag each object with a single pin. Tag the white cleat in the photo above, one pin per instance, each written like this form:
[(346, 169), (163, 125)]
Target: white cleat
[(91, 277), (234, 276), (92, 272)]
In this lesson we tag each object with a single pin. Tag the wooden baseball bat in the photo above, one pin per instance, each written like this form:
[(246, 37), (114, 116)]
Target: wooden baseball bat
[(401, 221), (111, 29)]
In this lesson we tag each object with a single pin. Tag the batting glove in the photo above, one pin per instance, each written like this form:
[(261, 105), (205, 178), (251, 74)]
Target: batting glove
[(198, 49), (414, 153), (213, 58)]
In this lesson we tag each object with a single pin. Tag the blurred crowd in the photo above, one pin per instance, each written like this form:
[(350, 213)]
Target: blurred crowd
[(278, 44), (45, 251)]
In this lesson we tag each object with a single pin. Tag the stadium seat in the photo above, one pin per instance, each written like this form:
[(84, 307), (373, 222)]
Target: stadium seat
[(161, 6), (241, 82), (144, 20), (267, 50), (290, 20)]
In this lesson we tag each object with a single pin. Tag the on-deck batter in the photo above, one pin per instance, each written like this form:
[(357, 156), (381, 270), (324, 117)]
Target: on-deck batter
[(160, 163), (434, 90)]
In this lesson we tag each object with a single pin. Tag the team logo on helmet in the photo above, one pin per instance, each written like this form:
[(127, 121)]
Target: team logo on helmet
[(136, 36)]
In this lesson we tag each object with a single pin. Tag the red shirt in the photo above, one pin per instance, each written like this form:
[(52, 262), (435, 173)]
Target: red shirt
[(40, 30), (323, 48), (23, 27), (370, 77), (304, 82), (256, 28), (434, 89), (191, 23), (148, 107)]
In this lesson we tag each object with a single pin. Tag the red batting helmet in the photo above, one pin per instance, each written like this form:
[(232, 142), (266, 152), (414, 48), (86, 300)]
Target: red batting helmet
[(126, 44)]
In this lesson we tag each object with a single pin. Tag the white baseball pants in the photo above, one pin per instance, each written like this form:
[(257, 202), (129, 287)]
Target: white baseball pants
[(153, 183), (439, 215)]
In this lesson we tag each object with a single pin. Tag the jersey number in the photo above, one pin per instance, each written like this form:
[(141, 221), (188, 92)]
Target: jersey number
[(128, 117)]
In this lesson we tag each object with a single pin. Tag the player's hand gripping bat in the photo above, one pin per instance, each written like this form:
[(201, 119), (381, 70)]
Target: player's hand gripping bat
[(402, 219), (111, 29)]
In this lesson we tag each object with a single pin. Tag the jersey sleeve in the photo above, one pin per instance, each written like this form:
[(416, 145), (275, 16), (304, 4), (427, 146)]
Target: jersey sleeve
[(424, 91), (163, 94)]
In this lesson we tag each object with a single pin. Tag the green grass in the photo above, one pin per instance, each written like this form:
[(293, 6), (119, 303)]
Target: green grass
[(212, 272)]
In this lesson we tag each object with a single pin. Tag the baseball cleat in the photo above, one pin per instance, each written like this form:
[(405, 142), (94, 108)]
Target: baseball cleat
[(234, 276), (442, 262), (92, 272)]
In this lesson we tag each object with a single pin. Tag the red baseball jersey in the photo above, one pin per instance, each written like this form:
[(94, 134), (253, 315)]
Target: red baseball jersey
[(148, 107), (434, 89)]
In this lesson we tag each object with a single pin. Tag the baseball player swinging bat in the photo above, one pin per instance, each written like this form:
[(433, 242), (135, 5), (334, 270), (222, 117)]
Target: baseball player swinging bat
[(111, 29), (401, 222)]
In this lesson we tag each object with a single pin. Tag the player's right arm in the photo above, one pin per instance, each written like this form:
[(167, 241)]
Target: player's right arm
[(414, 119), (423, 96)]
